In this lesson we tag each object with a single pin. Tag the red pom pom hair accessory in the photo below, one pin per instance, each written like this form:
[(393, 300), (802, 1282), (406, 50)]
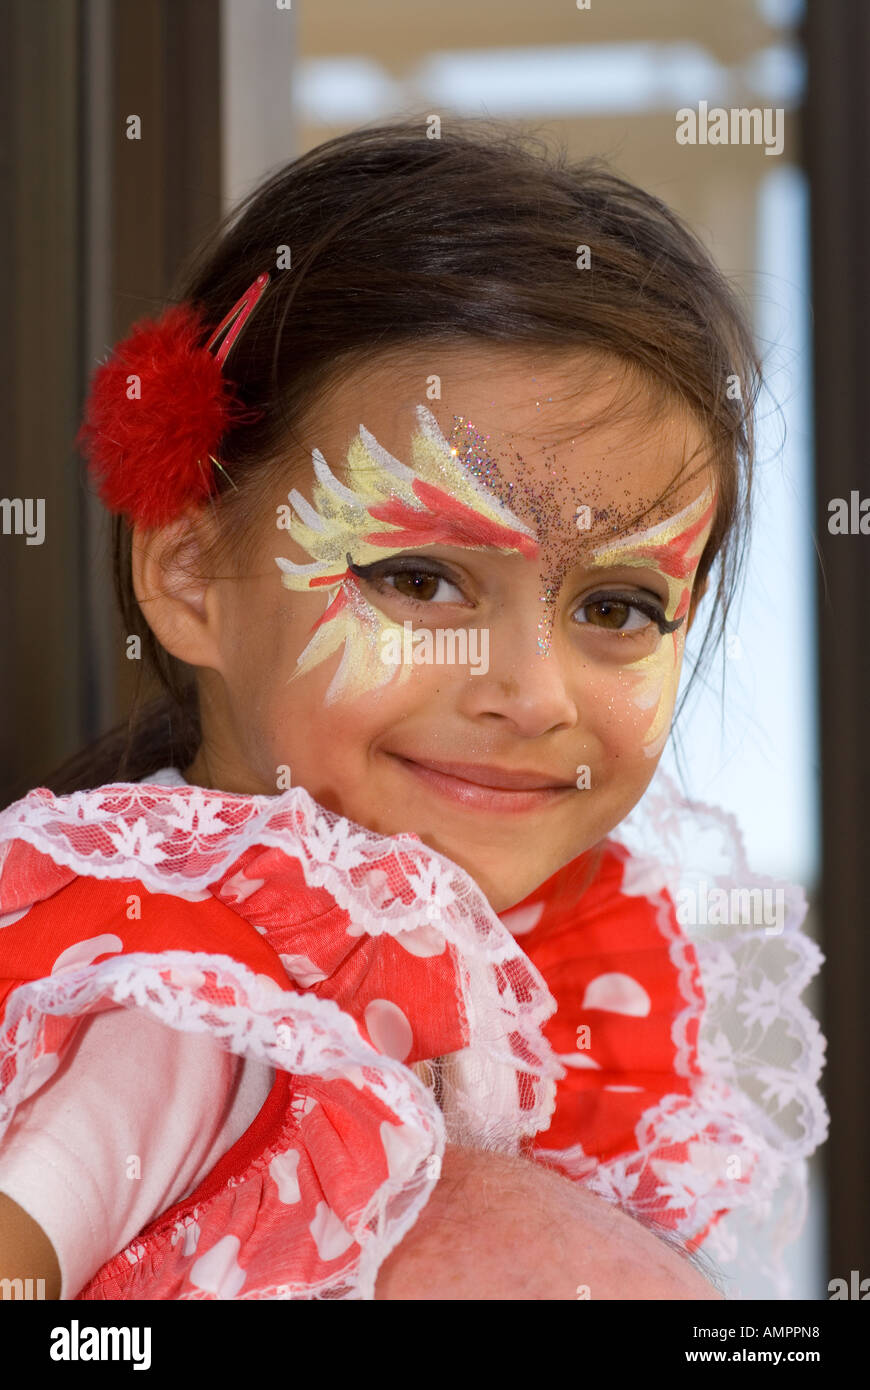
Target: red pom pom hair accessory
[(148, 452)]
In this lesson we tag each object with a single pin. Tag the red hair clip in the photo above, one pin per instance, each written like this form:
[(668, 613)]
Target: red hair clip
[(157, 410)]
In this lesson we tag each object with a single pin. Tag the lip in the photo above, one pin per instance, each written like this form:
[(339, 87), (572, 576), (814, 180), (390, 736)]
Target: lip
[(485, 787)]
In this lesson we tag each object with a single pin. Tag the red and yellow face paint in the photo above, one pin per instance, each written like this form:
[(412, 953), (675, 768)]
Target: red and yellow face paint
[(673, 548), (383, 508)]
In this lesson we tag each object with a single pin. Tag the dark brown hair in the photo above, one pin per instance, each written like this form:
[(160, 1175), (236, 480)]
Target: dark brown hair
[(398, 239)]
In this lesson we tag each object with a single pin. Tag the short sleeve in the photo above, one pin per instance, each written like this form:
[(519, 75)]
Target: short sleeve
[(134, 1118)]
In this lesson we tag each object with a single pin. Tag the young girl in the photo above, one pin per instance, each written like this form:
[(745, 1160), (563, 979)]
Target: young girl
[(417, 488)]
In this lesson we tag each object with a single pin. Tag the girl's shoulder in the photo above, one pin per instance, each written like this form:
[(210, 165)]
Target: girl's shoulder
[(113, 873), (88, 920)]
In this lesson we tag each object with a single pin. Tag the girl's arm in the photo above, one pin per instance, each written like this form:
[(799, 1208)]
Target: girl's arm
[(25, 1252), (131, 1121)]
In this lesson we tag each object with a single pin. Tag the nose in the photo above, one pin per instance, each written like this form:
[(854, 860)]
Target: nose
[(523, 687)]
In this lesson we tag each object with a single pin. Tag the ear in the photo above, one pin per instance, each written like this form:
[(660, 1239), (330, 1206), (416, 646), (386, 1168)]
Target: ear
[(178, 602), (698, 593)]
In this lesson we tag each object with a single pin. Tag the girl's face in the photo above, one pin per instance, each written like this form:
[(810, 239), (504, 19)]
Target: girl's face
[(468, 619)]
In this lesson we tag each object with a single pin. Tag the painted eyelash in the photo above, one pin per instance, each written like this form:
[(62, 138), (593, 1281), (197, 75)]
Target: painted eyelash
[(654, 614), (397, 565)]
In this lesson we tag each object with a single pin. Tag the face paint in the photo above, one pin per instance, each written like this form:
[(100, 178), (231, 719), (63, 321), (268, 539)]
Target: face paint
[(385, 507), (674, 548), (543, 502)]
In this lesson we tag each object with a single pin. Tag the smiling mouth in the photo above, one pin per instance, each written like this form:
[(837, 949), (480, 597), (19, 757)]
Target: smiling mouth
[(487, 788)]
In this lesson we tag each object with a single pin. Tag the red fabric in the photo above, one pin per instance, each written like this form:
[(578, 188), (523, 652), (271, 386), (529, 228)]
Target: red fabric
[(589, 931), (604, 941)]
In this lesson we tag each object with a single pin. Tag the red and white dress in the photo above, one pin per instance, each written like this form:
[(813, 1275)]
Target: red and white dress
[(393, 1011)]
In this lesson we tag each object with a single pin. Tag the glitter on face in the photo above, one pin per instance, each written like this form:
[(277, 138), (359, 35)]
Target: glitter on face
[(672, 547), (543, 503), (385, 507)]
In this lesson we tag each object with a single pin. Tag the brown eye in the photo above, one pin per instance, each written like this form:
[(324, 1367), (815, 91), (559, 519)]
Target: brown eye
[(610, 613), (606, 613), (416, 584)]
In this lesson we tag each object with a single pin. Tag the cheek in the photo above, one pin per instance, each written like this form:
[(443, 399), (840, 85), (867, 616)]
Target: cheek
[(654, 685), (629, 708), (328, 691), (267, 630), (370, 646), (269, 633)]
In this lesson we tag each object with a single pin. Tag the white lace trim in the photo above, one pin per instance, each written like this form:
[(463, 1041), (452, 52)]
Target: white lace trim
[(180, 839), (298, 1033), (760, 1050)]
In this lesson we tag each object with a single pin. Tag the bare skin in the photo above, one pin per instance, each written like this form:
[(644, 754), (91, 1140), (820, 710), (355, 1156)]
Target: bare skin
[(500, 1228), (25, 1250)]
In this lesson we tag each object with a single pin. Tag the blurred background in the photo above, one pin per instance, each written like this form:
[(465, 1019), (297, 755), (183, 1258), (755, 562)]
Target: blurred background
[(94, 227)]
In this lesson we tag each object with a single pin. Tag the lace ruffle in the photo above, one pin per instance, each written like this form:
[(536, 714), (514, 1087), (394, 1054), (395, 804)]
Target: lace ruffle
[(751, 1048), (757, 1104), (306, 1036), (181, 839), (196, 844)]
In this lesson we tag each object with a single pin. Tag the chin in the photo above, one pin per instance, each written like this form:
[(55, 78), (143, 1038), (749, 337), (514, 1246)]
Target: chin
[(501, 898), (500, 890)]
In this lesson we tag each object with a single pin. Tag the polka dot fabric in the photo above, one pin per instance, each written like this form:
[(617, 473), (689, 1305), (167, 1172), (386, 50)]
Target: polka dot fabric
[(213, 912), (619, 992), (399, 1013)]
